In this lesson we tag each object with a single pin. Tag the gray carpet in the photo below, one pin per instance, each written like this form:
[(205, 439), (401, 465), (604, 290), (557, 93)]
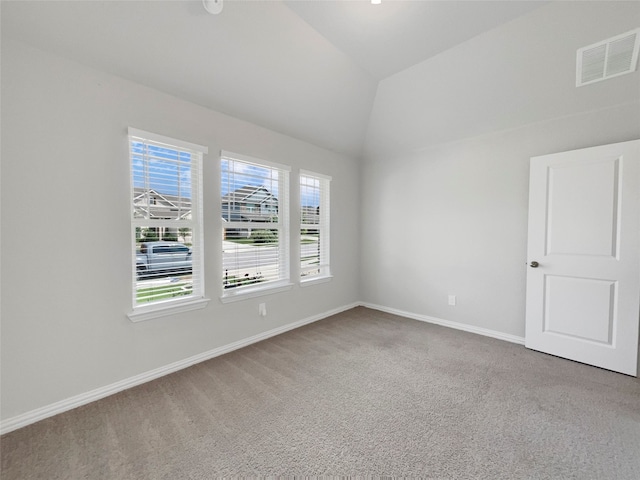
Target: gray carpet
[(362, 393)]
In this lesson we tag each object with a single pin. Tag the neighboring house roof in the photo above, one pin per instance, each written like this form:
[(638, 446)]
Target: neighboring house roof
[(310, 214), (156, 205), (237, 205), (250, 194)]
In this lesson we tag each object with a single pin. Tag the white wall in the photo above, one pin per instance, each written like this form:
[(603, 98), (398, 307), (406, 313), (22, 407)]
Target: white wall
[(517, 74), (453, 220), (443, 204), (258, 61), (66, 232), (445, 182)]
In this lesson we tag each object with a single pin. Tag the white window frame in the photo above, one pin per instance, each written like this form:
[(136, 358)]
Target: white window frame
[(324, 274), (283, 283), (196, 299)]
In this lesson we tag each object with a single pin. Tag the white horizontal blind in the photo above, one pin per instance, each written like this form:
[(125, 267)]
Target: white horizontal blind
[(166, 218), (255, 213), (314, 225)]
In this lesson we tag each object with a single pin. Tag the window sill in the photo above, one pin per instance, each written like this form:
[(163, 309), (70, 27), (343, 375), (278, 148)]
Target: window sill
[(141, 314), (243, 294), (315, 280)]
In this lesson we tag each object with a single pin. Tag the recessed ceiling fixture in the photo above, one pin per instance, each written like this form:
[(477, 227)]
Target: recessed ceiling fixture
[(213, 6), (376, 2)]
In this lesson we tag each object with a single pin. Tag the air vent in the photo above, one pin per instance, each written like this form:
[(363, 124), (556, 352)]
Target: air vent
[(607, 59)]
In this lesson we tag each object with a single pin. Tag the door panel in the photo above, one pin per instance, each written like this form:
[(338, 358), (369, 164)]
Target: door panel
[(573, 188), (583, 298), (579, 307)]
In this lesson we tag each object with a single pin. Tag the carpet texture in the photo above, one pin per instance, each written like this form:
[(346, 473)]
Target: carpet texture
[(362, 393)]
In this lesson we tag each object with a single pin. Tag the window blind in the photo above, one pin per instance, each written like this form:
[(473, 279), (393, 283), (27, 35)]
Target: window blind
[(255, 214), (314, 225), (166, 218)]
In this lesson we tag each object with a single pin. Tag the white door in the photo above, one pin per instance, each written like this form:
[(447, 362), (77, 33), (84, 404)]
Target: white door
[(583, 278)]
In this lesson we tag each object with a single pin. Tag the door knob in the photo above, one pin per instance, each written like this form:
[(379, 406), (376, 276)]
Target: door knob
[(534, 264)]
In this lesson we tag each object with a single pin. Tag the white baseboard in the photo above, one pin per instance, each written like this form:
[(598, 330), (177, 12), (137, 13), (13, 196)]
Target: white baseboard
[(447, 323), (38, 414)]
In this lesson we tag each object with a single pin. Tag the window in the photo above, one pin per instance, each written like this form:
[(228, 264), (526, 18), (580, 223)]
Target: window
[(314, 226), (255, 215), (166, 224)]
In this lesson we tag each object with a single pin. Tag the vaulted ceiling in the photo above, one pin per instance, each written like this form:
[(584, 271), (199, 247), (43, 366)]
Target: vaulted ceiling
[(308, 69), (387, 38)]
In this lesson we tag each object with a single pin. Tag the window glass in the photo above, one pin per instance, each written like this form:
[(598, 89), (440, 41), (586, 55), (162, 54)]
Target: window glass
[(166, 220), (254, 207), (314, 226)]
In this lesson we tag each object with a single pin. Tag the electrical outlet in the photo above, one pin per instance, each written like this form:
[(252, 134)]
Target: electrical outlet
[(452, 300), (262, 309)]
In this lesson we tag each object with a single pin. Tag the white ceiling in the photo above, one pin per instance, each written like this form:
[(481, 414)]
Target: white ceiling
[(305, 69), (387, 38)]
